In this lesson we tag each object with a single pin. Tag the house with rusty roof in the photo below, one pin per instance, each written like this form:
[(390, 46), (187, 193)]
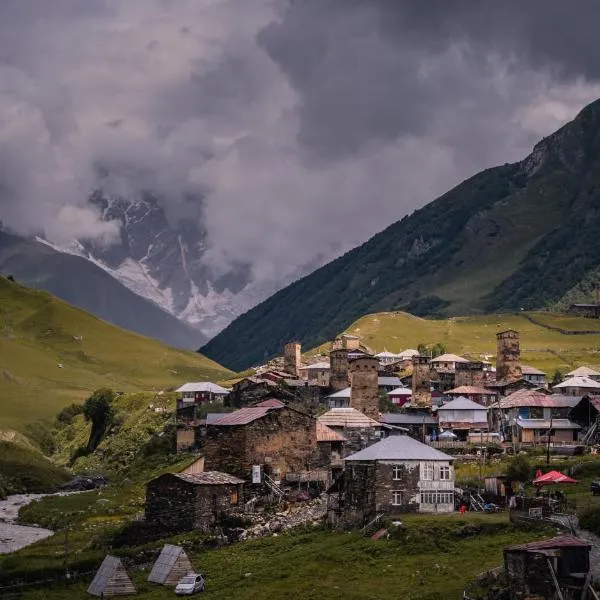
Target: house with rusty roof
[(480, 395), (358, 430), (187, 501), (552, 568), (269, 438)]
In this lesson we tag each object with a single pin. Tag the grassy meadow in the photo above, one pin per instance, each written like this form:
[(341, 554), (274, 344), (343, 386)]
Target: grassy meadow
[(53, 354), (476, 336)]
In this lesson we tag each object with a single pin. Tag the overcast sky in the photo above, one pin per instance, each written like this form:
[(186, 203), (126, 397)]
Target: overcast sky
[(306, 126)]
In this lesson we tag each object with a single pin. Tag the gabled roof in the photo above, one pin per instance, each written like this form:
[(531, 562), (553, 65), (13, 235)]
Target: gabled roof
[(583, 372), (112, 572), (386, 354), (164, 564), (580, 382), (318, 365), (523, 398), (400, 391), (270, 403), (347, 417), (345, 393), (407, 419), (471, 389), (243, 416), (326, 434), (449, 358), (545, 424), (408, 353), (202, 386), (561, 541), (461, 403), (395, 381), (399, 447), (527, 370), (208, 478)]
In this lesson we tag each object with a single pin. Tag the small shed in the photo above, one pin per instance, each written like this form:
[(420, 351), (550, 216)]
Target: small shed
[(171, 565), (111, 579)]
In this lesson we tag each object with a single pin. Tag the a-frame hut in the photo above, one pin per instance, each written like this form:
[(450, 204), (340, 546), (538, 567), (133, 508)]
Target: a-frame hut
[(111, 579), (170, 566)]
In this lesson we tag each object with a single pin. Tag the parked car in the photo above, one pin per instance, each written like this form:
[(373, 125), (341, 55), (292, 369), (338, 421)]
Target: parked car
[(190, 584), (595, 487)]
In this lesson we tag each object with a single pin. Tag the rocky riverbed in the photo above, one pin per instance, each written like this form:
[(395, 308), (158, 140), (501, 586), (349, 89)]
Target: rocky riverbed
[(12, 535)]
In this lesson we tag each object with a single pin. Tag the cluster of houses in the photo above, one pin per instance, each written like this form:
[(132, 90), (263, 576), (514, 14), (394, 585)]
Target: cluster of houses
[(320, 425)]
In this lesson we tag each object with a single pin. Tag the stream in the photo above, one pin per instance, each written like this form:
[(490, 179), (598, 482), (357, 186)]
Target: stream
[(13, 536)]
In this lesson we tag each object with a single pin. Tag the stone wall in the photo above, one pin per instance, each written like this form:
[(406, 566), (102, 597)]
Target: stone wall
[(338, 378), (421, 381), (282, 441), (182, 506), (470, 373), (291, 358), (508, 356), (365, 393)]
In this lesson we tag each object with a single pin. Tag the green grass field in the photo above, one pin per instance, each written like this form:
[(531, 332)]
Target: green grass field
[(476, 336), (53, 354)]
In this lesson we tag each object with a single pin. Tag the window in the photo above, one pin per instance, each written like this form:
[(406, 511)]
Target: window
[(396, 498), (397, 472), (437, 497), (427, 469), (445, 473)]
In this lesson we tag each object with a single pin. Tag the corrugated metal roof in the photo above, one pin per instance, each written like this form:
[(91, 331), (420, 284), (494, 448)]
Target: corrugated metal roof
[(524, 398), (243, 416), (461, 403), (400, 391), (407, 419), (346, 417), (270, 403), (345, 393), (202, 386), (449, 358), (579, 382), (388, 381), (471, 389), (561, 541), (208, 478), (527, 370), (545, 424), (326, 434), (399, 447), (583, 372)]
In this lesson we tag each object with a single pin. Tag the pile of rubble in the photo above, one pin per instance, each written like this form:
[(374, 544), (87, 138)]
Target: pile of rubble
[(311, 512)]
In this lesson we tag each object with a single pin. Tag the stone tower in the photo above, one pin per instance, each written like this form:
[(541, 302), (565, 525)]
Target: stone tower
[(421, 381), (365, 391), (508, 356), (338, 373), (469, 373), (291, 358)]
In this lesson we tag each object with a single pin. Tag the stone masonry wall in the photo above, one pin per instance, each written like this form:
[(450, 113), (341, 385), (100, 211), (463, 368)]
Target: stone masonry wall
[(365, 393), (421, 381), (338, 378), (470, 373), (508, 356)]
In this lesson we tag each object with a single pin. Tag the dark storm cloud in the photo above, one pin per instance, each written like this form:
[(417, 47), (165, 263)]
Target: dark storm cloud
[(304, 126)]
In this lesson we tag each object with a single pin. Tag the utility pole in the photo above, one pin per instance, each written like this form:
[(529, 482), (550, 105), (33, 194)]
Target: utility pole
[(548, 443)]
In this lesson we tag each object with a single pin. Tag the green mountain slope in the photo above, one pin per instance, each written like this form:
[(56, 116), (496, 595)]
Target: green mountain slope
[(53, 354), (82, 283), (516, 236)]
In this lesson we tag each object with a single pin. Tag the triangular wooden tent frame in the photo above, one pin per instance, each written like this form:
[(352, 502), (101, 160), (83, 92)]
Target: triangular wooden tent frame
[(171, 565), (111, 579)]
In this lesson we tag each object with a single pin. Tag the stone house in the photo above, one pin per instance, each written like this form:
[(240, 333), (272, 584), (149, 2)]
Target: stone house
[(578, 386), (269, 436), (398, 474), (534, 375), (421, 425), (447, 362), (476, 394), (317, 373), (551, 568), (590, 311), (358, 430), (253, 389), (330, 444), (186, 501), (462, 415), (192, 396)]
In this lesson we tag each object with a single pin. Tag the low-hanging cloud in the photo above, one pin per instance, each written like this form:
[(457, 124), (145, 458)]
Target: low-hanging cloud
[(294, 129)]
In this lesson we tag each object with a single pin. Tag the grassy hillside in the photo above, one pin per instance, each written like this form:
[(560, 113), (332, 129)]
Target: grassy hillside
[(39, 266), (518, 236), (544, 348), (53, 354)]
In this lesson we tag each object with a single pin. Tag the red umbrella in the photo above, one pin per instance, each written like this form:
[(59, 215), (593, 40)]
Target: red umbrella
[(538, 473), (553, 477)]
